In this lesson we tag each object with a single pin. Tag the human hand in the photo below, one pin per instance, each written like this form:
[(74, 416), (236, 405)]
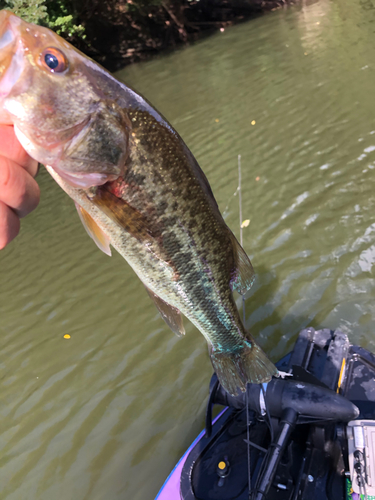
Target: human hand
[(19, 192)]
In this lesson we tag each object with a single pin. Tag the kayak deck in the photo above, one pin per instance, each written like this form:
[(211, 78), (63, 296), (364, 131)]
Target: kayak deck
[(315, 461)]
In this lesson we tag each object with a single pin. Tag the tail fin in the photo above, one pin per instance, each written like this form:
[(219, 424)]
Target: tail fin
[(248, 364)]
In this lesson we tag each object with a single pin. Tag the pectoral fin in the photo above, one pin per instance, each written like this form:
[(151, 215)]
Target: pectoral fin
[(171, 315), (124, 214), (94, 230), (243, 277), (131, 220)]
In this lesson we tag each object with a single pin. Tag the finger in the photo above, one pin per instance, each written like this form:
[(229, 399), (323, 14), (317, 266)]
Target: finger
[(9, 225), (11, 148), (18, 189)]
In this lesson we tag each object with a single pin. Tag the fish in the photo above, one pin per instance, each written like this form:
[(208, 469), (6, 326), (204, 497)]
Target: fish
[(136, 186)]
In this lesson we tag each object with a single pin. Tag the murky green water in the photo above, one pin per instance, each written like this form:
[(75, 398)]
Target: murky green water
[(107, 413)]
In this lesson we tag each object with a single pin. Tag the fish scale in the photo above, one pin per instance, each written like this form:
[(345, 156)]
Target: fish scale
[(136, 186)]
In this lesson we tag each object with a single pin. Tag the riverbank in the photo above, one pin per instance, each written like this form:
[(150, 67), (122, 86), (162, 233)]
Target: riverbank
[(122, 32)]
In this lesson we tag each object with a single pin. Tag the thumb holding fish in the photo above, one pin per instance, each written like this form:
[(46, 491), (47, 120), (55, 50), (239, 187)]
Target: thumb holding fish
[(19, 192)]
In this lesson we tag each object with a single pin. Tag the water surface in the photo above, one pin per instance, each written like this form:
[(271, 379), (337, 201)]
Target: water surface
[(107, 413)]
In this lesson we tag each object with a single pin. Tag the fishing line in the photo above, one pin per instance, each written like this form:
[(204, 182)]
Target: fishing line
[(241, 229), (262, 386), (260, 473), (268, 422), (248, 440), (244, 319)]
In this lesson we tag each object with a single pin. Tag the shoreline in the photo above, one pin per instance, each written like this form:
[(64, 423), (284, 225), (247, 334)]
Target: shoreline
[(118, 35)]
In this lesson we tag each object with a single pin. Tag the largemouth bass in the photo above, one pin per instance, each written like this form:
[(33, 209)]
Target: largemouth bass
[(137, 187)]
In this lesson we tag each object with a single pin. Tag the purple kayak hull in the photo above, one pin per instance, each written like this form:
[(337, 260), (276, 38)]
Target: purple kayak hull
[(171, 488)]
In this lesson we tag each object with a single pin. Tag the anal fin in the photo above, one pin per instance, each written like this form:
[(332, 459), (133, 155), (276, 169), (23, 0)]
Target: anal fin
[(171, 315), (94, 230), (243, 276)]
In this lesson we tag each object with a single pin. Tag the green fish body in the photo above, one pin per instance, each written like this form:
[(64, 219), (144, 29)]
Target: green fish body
[(137, 187)]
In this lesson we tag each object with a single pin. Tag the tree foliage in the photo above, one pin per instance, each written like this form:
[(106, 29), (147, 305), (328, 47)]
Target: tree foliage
[(119, 32), (33, 11), (58, 15)]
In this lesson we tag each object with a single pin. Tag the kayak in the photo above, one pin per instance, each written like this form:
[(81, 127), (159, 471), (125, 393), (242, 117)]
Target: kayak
[(307, 435)]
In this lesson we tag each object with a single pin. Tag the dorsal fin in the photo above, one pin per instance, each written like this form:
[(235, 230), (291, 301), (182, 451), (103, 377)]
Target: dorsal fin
[(243, 276), (171, 315), (93, 230)]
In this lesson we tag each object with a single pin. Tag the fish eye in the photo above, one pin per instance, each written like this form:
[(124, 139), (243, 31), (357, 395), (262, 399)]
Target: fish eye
[(54, 60)]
